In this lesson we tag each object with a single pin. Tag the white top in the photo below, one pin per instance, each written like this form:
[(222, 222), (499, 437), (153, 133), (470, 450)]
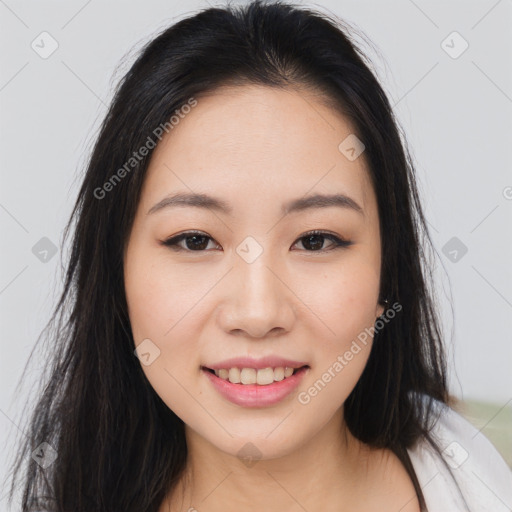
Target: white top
[(484, 478)]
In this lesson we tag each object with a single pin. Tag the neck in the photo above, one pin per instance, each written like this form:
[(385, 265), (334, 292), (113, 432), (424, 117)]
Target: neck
[(327, 470)]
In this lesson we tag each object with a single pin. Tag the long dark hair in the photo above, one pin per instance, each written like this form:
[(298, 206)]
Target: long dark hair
[(119, 447)]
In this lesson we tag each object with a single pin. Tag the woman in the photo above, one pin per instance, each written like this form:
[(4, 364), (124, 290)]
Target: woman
[(251, 324)]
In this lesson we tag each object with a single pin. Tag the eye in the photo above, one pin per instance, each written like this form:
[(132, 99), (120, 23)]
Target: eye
[(316, 240), (197, 241)]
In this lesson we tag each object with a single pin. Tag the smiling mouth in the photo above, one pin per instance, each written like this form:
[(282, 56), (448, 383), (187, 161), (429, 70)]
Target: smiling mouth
[(294, 370), (251, 376)]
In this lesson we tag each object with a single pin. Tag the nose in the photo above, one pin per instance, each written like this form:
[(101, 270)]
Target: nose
[(258, 302)]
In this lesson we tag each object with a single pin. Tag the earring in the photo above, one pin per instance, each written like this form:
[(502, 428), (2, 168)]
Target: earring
[(386, 304)]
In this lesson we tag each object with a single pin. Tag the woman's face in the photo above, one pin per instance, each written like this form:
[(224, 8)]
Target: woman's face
[(252, 284)]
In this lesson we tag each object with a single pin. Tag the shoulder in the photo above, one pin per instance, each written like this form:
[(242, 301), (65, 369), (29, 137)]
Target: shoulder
[(469, 474)]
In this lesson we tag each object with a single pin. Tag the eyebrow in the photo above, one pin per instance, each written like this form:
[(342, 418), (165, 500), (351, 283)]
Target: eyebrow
[(297, 205)]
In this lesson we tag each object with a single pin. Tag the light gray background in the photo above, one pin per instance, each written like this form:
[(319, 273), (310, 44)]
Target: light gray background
[(456, 113)]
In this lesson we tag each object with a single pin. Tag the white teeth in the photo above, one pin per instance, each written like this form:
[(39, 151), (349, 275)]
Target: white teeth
[(248, 376), (234, 375), (279, 373), (262, 377), (223, 374), (265, 376)]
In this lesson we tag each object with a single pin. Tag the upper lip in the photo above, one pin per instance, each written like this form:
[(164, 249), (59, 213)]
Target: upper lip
[(249, 362)]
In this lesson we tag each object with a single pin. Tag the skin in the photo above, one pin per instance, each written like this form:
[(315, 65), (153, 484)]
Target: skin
[(256, 148)]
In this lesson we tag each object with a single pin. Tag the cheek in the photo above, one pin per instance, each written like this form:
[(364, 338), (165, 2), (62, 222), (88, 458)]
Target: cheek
[(159, 295), (160, 301), (166, 304), (344, 297)]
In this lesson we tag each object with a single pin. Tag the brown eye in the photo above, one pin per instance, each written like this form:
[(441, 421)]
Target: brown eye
[(194, 241), (314, 241)]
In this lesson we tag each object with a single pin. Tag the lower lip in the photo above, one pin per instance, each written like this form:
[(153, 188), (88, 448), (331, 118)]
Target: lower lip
[(256, 395)]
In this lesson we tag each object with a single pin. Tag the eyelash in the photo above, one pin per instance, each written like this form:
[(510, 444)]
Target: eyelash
[(339, 243)]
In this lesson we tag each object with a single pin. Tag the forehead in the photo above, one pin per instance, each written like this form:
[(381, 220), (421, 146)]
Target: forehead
[(254, 143)]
